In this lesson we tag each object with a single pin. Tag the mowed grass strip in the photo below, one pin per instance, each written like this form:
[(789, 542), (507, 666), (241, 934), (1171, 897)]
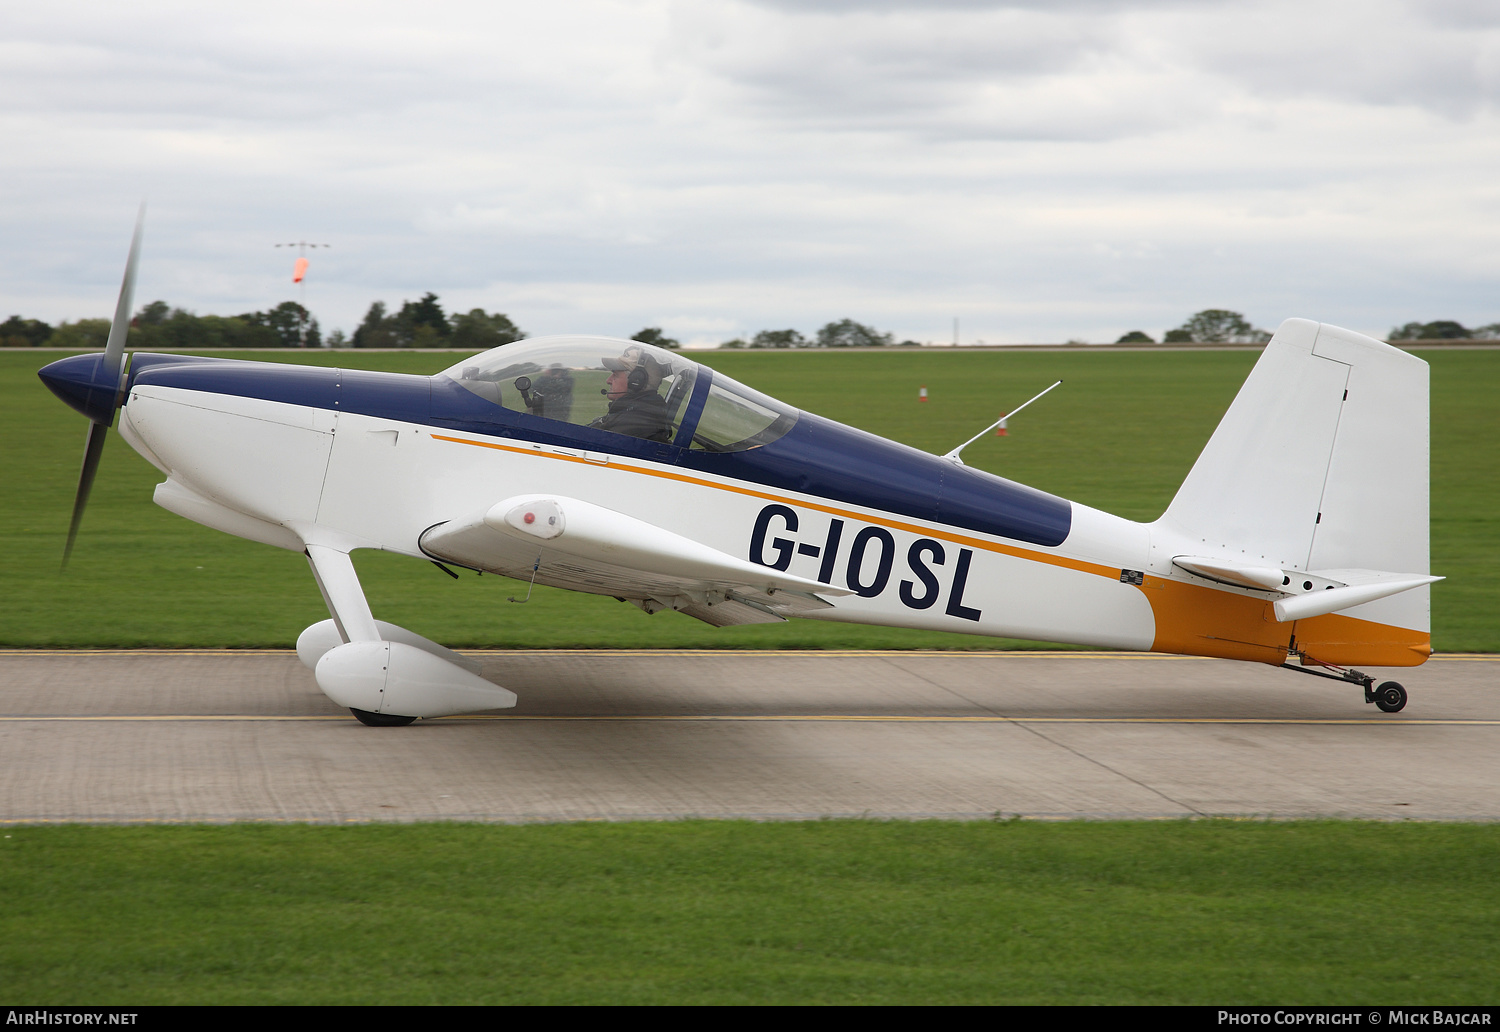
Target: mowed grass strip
[(1119, 435), (1206, 912)]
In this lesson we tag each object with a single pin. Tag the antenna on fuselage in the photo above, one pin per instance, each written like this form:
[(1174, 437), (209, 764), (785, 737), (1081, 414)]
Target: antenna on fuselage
[(953, 455)]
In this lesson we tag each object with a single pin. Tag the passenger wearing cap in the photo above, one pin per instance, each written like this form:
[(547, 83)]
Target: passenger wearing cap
[(635, 407)]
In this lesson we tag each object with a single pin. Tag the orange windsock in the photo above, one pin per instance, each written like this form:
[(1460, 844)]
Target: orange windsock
[(299, 270)]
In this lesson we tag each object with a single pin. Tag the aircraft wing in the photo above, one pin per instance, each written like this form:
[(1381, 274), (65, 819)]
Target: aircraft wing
[(570, 543)]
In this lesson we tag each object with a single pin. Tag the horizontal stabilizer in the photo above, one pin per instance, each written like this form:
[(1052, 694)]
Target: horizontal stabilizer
[(1331, 600)]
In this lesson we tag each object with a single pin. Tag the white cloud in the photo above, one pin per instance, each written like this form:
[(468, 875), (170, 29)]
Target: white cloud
[(1041, 170)]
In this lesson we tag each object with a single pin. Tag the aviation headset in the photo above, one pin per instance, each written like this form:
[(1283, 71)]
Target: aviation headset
[(636, 380)]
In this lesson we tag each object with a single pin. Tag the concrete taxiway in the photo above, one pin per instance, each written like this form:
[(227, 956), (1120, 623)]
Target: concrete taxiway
[(163, 736)]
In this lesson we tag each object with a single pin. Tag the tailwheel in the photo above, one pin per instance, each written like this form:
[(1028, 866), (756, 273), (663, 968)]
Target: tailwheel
[(1390, 697), (394, 720)]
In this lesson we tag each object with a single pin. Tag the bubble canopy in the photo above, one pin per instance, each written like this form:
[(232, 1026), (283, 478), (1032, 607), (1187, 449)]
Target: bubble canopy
[(628, 388)]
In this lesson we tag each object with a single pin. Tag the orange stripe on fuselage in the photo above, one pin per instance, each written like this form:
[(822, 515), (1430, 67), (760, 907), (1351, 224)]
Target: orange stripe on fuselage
[(1191, 619)]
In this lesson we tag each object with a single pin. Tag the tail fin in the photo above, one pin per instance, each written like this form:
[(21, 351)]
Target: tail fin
[(1320, 465)]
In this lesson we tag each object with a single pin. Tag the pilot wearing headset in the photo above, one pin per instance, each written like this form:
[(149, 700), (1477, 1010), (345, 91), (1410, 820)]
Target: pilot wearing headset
[(635, 407)]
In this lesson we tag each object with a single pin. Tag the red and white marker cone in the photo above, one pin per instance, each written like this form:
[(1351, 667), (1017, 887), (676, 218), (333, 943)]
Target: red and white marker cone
[(922, 394), (1000, 430)]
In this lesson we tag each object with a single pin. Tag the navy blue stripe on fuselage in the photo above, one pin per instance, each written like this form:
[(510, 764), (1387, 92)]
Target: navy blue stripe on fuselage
[(816, 457)]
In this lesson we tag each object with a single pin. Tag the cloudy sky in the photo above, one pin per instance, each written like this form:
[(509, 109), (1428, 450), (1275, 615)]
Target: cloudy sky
[(1039, 170)]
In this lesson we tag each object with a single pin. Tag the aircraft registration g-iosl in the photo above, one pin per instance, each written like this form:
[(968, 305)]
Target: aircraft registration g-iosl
[(1299, 539)]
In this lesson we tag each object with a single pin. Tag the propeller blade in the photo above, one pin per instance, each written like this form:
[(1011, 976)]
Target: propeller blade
[(91, 452), (109, 372), (114, 349)]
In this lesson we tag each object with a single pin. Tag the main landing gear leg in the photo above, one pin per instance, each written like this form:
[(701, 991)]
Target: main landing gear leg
[(338, 582), (1389, 697)]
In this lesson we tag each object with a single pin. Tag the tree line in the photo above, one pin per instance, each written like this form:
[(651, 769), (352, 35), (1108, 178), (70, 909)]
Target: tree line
[(424, 324), (416, 324), (1210, 326), (1221, 326), (845, 333), (158, 325), (1444, 329)]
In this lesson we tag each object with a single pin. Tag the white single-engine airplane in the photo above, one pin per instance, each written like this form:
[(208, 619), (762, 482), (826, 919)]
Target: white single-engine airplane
[(613, 467)]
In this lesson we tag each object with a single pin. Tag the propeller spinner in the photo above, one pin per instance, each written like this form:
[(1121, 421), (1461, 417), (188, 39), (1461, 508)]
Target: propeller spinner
[(91, 384)]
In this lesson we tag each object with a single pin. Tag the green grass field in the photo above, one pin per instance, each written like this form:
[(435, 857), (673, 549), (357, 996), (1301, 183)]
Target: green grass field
[(1119, 435), (1205, 912), (1208, 912)]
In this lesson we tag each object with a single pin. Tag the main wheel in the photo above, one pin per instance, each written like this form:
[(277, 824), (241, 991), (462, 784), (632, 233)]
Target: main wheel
[(1390, 697), (393, 720)]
